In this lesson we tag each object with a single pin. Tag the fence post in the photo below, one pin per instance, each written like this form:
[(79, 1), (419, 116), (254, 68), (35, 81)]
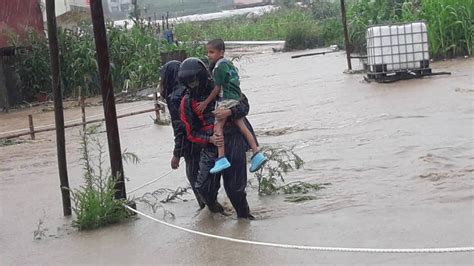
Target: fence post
[(83, 110), (346, 35), (32, 128), (58, 105), (108, 97)]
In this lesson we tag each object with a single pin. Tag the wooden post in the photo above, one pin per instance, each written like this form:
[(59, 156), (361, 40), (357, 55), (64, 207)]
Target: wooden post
[(32, 128), (135, 8), (346, 35), (83, 111), (108, 98), (58, 105)]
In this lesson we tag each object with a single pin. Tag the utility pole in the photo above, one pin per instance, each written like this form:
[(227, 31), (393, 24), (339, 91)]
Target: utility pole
[(108, 98), (58, 105), (346, 35)]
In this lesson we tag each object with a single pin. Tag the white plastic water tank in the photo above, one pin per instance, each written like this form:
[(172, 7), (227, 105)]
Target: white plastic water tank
[(397, 47)]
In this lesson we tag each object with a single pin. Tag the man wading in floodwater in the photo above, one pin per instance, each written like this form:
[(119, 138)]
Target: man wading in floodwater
[(173, 92), (199, 129)]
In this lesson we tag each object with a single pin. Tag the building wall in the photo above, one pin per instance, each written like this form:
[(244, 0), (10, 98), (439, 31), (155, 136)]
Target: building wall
[(248, 2), (113, 5), (17, 16), (120, 5), (80, 3), (62, 6)]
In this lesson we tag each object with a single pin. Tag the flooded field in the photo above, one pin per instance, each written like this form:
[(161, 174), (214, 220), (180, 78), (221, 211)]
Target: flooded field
[(399, 157)]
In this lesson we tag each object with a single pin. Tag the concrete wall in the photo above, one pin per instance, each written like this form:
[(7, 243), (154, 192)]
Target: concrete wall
[(62, 6)]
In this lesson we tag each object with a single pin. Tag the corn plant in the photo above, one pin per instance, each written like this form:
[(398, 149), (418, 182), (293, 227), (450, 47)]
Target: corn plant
[(134, 57), (33, 67), (450, 26), (450, 22)]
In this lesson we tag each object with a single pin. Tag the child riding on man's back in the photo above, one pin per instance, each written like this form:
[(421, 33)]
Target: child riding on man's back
[(227, 91)]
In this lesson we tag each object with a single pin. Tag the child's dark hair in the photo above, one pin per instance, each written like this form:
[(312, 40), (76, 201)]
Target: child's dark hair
[(217, 44)]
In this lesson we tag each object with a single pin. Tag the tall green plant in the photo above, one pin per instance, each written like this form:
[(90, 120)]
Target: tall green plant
[(78, 61), (450, 26), (94, 202), (34, 66), (134, 56), (450, 22)]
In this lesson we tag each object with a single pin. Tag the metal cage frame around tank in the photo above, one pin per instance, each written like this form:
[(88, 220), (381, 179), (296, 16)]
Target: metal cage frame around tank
[(383, 71)]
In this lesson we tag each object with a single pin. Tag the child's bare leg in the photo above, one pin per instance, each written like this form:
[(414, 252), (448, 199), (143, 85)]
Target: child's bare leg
[(218, 131), (247, 134)]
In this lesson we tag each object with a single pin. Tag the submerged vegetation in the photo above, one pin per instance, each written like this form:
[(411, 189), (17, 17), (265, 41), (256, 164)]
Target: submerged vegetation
[(283, 160), (94, 202)]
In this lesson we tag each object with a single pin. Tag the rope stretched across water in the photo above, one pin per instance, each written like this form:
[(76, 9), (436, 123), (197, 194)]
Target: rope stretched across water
[(314, 248)]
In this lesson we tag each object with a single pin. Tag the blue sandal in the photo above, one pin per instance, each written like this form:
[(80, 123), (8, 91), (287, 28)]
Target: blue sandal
[(257, 161), (221, 164)]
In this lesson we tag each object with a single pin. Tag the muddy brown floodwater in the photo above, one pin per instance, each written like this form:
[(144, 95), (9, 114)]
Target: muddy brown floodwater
[(400, 158)]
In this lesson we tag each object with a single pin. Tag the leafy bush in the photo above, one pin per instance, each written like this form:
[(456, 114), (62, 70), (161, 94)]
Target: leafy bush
[(303, 37), (331, 32)]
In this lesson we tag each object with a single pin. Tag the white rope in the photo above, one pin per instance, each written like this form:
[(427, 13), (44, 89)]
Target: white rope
[(71, 121), (151, 182), (315, 248), (154, 180)]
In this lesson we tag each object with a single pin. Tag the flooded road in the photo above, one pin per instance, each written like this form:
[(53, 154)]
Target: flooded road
[(399, 157)]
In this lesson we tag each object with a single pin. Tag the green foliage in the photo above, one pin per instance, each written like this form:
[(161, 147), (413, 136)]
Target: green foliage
[(134, 56), (450, 22), (33, 68), (135, 52), (271, 177), (272, 26), (365, 13), (450, 26), (302, 37), (8, 142), (94, 202), (79, 72), (324, 9)]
